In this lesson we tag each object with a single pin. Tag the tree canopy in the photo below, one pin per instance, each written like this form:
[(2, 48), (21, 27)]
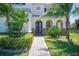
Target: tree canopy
[(77, 23), (5, 9), (58, 9), (16, 16)]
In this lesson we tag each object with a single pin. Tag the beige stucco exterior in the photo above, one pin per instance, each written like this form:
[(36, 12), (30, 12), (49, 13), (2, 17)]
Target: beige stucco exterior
[(34, 11)]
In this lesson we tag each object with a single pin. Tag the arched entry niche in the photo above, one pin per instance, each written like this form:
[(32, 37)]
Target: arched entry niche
[(48, 24), (59, 24)]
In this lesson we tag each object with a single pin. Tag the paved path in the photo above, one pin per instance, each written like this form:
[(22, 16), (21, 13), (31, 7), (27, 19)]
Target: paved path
[(39, 47)]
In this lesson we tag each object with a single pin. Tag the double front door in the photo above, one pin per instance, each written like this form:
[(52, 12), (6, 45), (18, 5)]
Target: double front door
[(38, 26)]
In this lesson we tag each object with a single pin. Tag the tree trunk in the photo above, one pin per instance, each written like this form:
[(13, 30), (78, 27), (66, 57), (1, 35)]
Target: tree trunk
[(8, 24), (67, 28), (21, 26), (20, 29)]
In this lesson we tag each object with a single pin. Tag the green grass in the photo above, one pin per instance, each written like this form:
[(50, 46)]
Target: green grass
[(60, 48), (3, 35), (2, 53)]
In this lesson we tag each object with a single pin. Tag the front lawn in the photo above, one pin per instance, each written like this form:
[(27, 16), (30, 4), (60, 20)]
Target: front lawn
[(15, 43), (62, 48)]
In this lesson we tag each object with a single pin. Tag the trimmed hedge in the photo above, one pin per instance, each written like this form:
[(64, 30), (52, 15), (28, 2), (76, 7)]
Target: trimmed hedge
[(16, 43)]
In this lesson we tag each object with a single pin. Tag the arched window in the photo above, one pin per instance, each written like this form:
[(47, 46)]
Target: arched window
[(59, 24), (48, 24)]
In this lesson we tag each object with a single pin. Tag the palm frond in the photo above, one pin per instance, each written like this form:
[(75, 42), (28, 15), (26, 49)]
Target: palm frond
[(58, 9)]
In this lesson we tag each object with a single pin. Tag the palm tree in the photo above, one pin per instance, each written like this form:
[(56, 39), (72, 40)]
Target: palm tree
[(18, 19), (13, 15), (61, 9), (6, 10)]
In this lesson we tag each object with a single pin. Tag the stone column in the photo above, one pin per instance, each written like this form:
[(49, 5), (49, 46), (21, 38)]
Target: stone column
[(44, 27)]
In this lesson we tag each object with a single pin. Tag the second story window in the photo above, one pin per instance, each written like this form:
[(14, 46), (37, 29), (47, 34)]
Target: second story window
[(38, 8), (23, 3), (45, 9), (13, 3), (17, 3)]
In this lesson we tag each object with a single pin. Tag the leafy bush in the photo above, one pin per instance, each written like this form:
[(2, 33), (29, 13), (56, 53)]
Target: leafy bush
[(29, 39), (63, 32), (16, 22), (73, 27), (16, 43), (54, 31), (15, 28), (77, 23)]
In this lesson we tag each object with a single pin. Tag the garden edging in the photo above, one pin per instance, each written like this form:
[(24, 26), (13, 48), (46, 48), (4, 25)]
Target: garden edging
[(13, 51)]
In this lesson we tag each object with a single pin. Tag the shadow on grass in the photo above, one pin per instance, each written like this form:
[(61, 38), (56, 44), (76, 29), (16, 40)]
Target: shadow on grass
[(66, 48), (2, 53)]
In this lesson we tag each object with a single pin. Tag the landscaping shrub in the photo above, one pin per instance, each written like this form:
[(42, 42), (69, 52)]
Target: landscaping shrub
[(77, 25), (29, 39), (16, 43), (63, 32), (15, 28), (54, 31)]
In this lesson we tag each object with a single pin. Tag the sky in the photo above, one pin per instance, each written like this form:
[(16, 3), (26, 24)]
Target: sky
[(73, 18)]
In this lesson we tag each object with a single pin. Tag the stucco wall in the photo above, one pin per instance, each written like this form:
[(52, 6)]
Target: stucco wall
[(44, 20), (32, 8), (25, 27), (3, 24), (36, 11)]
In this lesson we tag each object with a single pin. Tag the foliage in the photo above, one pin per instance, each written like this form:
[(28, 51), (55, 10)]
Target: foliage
[(16, 43), (73, 27), (77, 23), (5, 53), (58, 9), (29, 38), (15, 17), (54, 31), (5, 9), (63, 32), (62, 48), (61, 9), (16, 23)]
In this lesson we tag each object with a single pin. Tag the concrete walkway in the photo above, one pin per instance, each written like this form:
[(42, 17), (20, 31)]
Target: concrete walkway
[(39, 47)]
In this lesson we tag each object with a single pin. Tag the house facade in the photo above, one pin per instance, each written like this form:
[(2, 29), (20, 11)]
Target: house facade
[(36, 23)]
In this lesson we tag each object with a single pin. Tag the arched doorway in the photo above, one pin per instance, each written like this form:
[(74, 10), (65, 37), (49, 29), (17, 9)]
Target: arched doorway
[(59, 24), (38, 27), (48, 24)]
